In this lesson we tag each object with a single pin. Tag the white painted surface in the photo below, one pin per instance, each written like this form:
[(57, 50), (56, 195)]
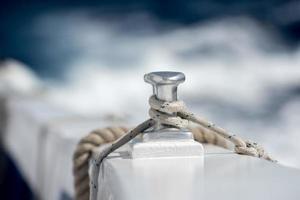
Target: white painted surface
[(224, 175), (165, 148), (150, 178), (42, 139), (63, 136), (25, 132), (231, 176)]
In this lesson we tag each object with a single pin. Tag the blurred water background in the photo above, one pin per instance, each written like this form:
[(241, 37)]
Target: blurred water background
[(241, 59)]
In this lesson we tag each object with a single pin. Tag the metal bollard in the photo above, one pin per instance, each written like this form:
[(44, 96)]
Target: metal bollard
[(165, 84)]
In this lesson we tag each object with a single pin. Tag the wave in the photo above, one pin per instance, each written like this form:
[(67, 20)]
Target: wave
[(238, 73)]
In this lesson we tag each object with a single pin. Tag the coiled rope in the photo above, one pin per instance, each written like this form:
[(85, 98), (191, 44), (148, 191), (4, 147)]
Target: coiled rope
[(112, 138)]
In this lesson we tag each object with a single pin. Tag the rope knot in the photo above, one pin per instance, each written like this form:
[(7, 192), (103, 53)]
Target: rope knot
[(253, 149), (166, 112)]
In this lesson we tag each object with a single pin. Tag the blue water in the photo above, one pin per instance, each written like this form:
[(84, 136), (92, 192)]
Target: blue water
[(241, 59), (50, 48)]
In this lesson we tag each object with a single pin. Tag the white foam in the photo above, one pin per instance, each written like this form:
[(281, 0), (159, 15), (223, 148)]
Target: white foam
[(17, 77), (233, 61)]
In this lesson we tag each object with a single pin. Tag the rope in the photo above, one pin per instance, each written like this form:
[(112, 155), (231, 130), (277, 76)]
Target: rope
[(83, 153), (159, 111), (112, 138)]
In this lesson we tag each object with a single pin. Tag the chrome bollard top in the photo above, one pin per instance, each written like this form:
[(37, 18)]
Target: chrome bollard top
[(165, 84)]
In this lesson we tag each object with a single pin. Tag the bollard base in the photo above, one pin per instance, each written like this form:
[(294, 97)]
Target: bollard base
[(166, 143)]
